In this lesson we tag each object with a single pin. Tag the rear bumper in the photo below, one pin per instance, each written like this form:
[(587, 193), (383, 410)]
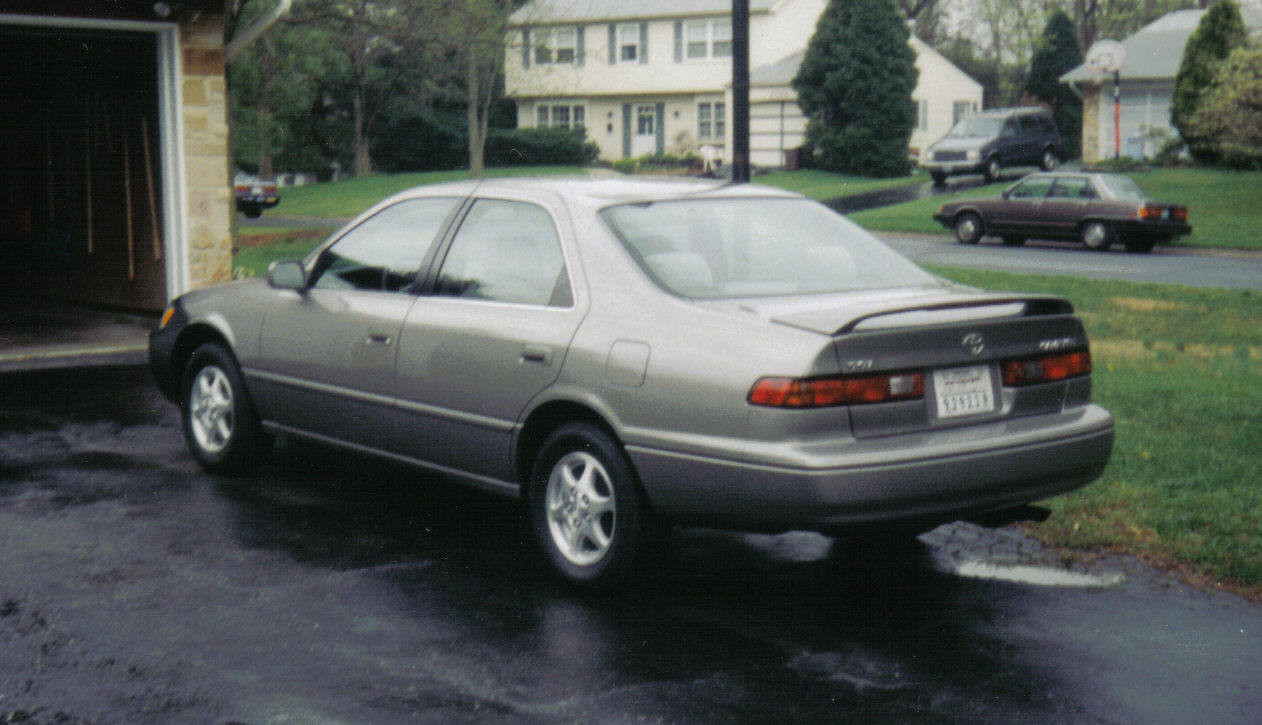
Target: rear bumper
[(936, 476), (1134, 228)]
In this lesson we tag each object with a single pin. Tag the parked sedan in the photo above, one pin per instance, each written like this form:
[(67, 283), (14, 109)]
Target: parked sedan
[(253, 195), (621, 355), (1096, 209)]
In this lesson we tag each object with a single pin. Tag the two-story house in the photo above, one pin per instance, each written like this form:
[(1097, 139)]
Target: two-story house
[(655, 76)]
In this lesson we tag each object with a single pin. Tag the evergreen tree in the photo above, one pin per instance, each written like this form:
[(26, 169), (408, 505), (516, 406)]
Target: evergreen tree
[(855, 85), (1221, 29), (1058, 53)]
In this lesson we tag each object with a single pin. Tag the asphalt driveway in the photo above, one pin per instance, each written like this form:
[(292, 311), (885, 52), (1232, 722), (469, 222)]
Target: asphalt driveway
[(134, 588)]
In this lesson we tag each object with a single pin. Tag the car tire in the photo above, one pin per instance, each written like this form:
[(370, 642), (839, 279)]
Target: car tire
[(220, 425), (1049, 160), (968, 228), (939, 178), (1142, 245), (993, 169), (1096, 236), (585, 506), (1013, 241), (252, 211)]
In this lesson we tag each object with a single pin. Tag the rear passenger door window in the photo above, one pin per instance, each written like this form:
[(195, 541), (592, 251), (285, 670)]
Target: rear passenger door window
[(506, 251)]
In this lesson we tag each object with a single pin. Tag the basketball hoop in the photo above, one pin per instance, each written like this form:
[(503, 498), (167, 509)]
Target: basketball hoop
[(1106, 56)]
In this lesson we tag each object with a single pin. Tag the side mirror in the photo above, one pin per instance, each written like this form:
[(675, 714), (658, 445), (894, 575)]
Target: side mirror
[(287, 275)]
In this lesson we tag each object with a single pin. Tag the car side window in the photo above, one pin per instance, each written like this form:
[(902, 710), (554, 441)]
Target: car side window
[(1031, 189), (1009, 127), (1073, 189), (1029, 124), (1047, 124), (385, 251), (506, 251)]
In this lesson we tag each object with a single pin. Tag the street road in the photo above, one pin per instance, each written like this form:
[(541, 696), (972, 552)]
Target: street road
[(1185, 266), (134, 588)]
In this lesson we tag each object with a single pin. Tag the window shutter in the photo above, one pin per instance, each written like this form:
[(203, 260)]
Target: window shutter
[(626, 130), (679, 41), (580, 52), (644, 42), (661, 128), (525, 47), (613, 44)]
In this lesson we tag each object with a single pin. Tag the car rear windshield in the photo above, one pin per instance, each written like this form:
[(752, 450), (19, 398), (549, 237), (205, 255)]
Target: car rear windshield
[(751, 247), (976, 128), (1122, 187)]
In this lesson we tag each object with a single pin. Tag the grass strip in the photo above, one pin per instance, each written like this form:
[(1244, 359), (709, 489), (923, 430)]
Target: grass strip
[(824, 185), (342, 199), (1181, 370)]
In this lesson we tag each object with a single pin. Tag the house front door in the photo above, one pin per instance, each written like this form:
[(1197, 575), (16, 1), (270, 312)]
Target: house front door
[(644, 134)]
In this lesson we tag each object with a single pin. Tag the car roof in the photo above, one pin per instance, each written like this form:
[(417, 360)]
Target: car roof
[(597, 193)]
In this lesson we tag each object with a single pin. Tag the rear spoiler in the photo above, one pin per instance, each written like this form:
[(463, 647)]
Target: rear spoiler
[(1034, 307)]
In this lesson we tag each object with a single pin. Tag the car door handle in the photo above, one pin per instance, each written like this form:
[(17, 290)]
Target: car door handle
[(540, 354), (379, 338)]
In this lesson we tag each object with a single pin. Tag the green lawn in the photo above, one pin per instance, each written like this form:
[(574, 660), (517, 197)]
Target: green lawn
[(1225, 206), (1181, 370), (352, 196), (824, 185)]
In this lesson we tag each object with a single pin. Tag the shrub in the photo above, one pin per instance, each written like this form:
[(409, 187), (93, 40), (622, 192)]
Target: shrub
[(1057, 54), (1229, 117), (539, 147)]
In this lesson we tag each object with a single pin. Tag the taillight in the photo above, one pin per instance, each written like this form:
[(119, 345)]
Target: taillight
[(1046, 369), (833, 391), (1149, 212), (1179, 214)]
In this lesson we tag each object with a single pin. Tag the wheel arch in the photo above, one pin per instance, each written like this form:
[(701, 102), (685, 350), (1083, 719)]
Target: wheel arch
[(192, 337), (955, 218), (540, 423)]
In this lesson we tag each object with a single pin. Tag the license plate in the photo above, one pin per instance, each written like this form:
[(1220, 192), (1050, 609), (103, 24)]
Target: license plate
[(964, 391)]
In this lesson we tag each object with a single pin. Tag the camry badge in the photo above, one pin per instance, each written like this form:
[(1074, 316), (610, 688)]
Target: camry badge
[(973, 343)]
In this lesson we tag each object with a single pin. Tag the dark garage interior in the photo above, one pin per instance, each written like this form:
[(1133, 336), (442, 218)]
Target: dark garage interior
[(81, 237)]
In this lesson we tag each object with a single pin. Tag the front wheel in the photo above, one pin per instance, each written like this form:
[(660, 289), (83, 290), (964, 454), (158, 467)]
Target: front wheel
[(220, 426), (1096, 236), (968, 228), (584, 506)]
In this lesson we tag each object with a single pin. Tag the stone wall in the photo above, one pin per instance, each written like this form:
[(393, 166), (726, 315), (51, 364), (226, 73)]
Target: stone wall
[(207, 181), (1090, 124)]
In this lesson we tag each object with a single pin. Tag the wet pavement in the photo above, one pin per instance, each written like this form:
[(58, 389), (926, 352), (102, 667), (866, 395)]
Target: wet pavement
[(332, 588)]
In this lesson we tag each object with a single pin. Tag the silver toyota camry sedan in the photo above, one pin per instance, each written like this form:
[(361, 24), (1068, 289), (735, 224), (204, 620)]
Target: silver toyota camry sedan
[(622, 355)]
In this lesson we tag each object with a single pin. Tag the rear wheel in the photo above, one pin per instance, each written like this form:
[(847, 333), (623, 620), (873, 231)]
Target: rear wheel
[(220, 426), (1049, 160), (585, 507), (993, 168), (1141, 245), (252, 211), (1013, 241), (968, 228), (1096, 236), (939, 178)]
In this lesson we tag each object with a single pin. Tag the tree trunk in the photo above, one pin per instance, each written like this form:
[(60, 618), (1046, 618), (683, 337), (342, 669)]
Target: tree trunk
[(363, 161), (477, 125)]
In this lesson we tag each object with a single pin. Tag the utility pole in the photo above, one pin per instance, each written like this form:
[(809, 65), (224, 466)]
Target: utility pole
[(740, 91)]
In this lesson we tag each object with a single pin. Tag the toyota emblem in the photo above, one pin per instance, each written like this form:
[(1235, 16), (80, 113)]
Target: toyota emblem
[(973, 343)]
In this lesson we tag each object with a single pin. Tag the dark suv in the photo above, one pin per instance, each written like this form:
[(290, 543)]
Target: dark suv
[(989, 142)]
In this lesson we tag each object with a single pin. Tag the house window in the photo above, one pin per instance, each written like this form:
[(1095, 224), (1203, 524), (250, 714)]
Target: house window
[(629, 42), (711, 123), (645, 120), (922, 114), (959, 110), (556, 45), (708, 38), (560, 116)]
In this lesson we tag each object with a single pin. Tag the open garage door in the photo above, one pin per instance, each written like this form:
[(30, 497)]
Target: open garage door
[(81, 198)]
